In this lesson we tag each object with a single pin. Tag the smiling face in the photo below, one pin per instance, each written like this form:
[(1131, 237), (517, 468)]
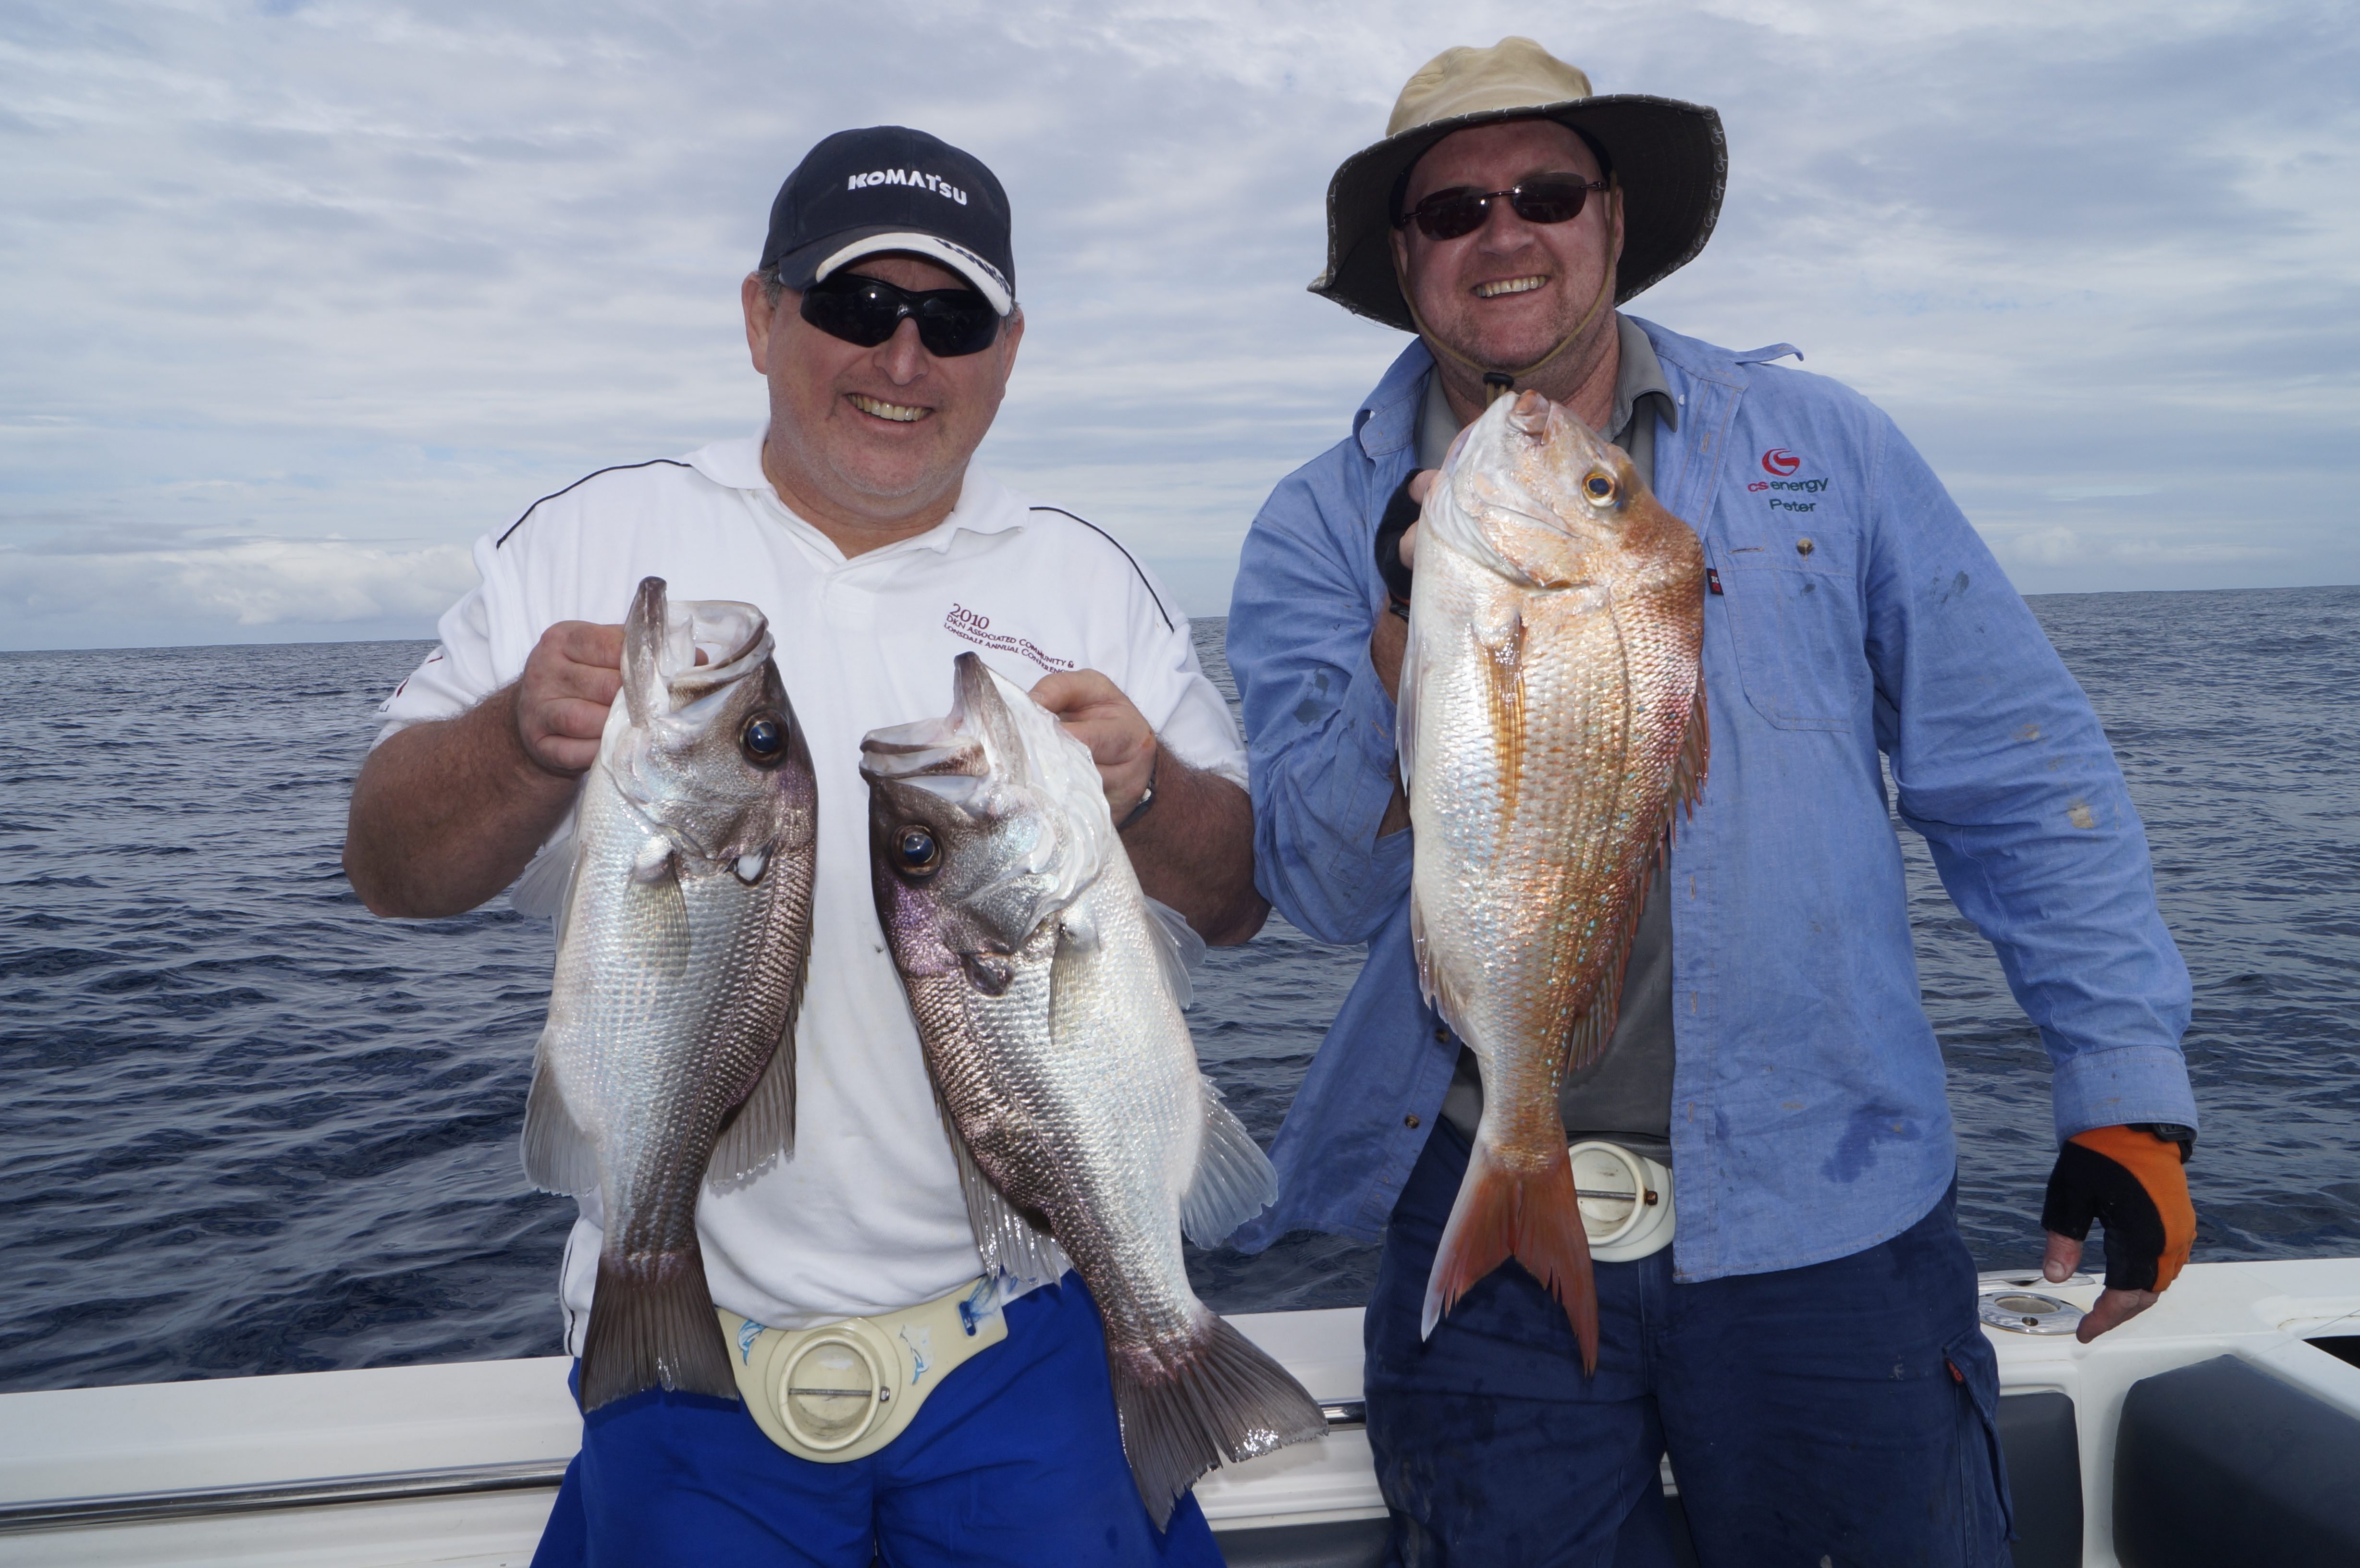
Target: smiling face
[(1508, 293), (869, 445)]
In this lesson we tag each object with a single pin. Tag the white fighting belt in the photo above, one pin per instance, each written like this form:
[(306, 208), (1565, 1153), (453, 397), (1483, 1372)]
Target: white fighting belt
[(842, 1391)]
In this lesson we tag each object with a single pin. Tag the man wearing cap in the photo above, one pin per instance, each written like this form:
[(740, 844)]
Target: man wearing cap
[(883, 317), (1801, 1337)]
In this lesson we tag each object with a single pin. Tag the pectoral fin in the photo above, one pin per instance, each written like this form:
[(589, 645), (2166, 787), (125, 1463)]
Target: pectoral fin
[(657, 911), (558, 1156), (1502, 662)]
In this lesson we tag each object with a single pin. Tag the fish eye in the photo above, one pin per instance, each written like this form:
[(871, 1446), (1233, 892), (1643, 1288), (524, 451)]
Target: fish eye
[(1598, 486), (763, 740), (916, 852)]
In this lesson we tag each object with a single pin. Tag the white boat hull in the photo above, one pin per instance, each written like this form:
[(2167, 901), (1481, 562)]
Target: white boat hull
[(458, 1460)]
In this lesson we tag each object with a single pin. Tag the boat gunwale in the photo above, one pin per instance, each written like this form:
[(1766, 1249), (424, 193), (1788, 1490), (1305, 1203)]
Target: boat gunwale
[(382, 1486)]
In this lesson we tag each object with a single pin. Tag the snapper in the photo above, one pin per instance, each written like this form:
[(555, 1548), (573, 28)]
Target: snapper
[(668, 1059), (1551, 716), (1047, 991)]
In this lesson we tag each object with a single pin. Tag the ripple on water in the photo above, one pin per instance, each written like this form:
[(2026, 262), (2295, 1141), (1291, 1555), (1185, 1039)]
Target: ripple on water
[(244, 1128)]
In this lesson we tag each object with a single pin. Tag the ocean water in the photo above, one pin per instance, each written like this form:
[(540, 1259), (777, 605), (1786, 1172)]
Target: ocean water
[(246, 1128)]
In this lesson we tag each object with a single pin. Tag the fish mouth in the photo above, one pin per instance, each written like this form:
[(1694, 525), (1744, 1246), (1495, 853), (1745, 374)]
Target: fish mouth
[(929, 748), (664, 641), (1498, 287), (877, 408), (977, 738)]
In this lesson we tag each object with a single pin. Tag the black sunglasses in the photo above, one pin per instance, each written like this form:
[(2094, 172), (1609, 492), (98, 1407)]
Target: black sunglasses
[(1446, 214), (868, 311)]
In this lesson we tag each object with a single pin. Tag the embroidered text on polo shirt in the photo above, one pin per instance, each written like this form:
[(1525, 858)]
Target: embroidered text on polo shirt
[(975, 629)]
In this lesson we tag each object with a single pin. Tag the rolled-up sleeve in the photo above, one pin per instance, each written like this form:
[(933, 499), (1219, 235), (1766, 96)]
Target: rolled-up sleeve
[(2001, 763), (1319, 725)]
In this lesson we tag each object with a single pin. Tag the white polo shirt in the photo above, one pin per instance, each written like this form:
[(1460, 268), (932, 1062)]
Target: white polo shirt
[(865, 1217)]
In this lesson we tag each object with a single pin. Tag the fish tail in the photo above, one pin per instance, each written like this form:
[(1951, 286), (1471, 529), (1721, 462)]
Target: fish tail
[(1531, 1216), (652, 1326), (1221, 1398)]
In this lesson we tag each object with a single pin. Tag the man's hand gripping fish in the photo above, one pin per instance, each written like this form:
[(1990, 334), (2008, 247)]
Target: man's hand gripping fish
[(1048, 994), (669, 1056), (1551, 716)]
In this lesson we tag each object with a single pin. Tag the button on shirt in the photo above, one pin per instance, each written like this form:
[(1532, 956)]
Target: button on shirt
[(1858, 616), (867, 1215)]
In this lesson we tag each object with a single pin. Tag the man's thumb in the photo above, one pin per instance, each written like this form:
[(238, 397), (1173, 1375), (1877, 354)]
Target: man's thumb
[(2063, 1257)]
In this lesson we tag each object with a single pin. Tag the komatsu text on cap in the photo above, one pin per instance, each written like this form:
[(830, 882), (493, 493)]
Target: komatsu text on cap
[(893, 189)]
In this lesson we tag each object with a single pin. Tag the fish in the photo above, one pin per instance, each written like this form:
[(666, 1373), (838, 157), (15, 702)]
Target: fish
[(1551, 716), (1047, 991), (667, 1062)]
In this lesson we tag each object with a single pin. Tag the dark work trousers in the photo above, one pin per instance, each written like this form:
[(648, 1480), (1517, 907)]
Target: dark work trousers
[(1821, 1417), (1016, 1461)]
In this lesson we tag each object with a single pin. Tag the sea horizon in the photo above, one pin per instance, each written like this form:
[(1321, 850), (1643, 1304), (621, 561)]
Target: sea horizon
[(428, 635)]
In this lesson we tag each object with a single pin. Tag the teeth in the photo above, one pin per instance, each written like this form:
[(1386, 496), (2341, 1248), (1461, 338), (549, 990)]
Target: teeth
[(1508, 285), (885, 410)]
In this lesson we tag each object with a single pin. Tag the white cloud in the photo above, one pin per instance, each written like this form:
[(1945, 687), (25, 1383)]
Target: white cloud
[(2043, 547), (109, 597), (391, 271)]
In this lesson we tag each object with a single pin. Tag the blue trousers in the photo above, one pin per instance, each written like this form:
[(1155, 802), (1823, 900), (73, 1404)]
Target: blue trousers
[(1836, 1414), (1016, 1459)]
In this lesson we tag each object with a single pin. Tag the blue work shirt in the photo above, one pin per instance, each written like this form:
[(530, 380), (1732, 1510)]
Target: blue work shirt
[(1852, 611)]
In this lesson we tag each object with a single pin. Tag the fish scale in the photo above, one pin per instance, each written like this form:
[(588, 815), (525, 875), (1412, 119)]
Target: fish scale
[(1550, 715)]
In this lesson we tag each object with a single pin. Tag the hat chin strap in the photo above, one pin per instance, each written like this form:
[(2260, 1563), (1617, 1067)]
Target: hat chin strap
[(1498, 384)]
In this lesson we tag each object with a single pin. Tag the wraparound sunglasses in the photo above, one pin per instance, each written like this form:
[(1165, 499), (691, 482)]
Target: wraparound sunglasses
[(868, 311), (1446, 214)]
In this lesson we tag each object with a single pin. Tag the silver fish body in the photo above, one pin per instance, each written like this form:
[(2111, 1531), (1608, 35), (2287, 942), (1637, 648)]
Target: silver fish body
[(1047, 993), (668, 1057), (1551, 717)]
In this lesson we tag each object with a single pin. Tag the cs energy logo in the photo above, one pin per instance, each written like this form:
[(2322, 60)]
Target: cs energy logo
[(1781, 464)]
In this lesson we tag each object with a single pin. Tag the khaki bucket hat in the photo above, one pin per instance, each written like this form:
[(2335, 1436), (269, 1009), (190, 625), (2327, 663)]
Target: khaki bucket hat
[(1669, 157)]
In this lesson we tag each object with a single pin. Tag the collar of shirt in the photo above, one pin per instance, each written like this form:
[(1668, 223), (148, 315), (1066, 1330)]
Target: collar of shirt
[(984, 506), (1640, 376)]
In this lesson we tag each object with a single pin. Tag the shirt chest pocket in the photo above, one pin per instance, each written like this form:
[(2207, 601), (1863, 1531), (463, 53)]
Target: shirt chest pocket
[(1793, 604)]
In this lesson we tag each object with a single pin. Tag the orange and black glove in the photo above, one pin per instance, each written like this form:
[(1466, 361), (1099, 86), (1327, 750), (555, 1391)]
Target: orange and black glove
[(2132, 1181)]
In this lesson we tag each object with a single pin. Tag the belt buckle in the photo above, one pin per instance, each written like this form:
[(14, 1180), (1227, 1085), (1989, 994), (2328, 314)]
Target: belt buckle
[(832, 1388), (1624, 1199)]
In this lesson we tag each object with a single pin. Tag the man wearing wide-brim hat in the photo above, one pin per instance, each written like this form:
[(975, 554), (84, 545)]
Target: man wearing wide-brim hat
[(1792, 1315)]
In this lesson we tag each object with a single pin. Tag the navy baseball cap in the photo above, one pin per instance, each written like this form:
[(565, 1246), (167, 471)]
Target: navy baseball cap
[(893, 189)]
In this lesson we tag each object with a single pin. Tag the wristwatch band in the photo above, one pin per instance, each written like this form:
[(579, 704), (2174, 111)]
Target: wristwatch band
[(1146, 796)]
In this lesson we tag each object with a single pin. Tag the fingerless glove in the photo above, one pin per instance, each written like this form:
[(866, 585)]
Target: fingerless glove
[(2131, 1179)]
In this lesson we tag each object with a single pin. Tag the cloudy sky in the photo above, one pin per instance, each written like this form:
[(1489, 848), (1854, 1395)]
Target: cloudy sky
[(297, 299)]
